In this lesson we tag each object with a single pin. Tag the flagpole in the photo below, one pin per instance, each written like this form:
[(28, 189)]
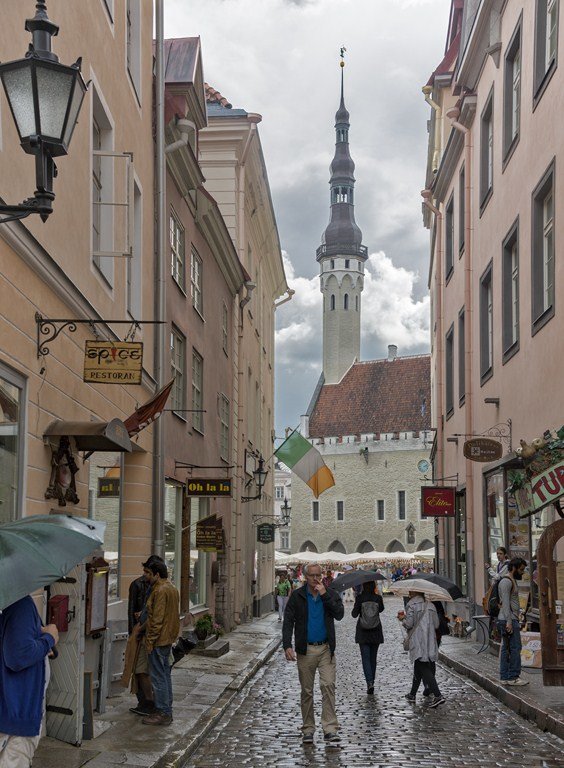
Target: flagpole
[(283, 443)]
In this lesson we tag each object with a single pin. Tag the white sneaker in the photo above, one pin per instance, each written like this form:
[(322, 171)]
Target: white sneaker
[(518, 681)]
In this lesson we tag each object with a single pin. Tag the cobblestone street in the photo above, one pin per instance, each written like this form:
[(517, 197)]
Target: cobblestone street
[(261, 728)]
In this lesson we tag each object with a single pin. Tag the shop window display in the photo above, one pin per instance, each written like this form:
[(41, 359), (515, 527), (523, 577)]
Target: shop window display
[(199, 508), (104, 504), (11, 445)]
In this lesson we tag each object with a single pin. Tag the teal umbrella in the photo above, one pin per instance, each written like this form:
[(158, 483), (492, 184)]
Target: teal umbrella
[(36, 551)]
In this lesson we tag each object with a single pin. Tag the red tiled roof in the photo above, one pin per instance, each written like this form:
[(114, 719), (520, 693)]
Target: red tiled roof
[(376, 396), (215, 97)]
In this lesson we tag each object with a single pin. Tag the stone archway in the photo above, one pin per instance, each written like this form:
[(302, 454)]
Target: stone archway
[(365, 546), (395, 546), (308, 546), (336, 546), (425, 544)]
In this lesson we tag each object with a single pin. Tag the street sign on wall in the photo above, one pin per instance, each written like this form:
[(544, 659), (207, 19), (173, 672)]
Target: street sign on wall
[(438, 501), (483, 449), (265, 533), (113, 362)]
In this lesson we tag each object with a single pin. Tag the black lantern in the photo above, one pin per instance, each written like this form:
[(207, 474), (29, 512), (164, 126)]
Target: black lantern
[(285, 510), (45, 97), (259, 476)]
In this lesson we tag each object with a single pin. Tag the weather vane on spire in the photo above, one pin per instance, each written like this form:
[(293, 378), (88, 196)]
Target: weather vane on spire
[(342, 55)]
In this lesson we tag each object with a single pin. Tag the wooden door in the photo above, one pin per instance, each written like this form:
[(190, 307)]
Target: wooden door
[(550, 557)]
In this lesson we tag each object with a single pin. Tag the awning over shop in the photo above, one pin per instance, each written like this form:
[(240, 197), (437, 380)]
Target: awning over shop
[(93, 435)]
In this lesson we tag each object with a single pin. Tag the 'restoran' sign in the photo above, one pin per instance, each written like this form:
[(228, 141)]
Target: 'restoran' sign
[(438, 501)]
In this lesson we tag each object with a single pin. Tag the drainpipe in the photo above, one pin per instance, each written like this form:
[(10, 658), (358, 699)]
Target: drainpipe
[(427, 196), (453, 115), (437, 139), (160, 296)]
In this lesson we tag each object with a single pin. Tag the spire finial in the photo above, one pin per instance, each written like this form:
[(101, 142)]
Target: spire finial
[(342, 65)]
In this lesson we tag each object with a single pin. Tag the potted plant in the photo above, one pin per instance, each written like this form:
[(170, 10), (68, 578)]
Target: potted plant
[(217, 629), (203, 626)]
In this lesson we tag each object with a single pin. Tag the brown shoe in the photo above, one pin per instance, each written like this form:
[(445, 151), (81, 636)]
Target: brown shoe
[(159, 718)]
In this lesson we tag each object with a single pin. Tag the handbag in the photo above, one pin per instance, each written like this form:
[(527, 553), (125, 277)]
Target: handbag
[(407, 639)]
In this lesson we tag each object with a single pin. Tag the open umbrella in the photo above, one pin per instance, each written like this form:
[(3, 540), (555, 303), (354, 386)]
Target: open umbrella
[(441, 581), (432, 591), (353, 578), (36, 551)]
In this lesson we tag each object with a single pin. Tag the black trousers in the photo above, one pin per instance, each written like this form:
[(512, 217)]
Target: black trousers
[(424, 671)]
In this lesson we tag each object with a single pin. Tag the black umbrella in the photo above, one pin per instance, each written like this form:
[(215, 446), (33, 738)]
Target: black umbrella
[(441, 581), (353, 578)]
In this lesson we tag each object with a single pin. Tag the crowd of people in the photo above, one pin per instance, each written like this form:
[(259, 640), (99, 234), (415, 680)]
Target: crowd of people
[(308, 638)]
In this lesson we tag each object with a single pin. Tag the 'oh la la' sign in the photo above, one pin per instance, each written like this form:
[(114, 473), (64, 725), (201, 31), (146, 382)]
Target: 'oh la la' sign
[(437, 501)]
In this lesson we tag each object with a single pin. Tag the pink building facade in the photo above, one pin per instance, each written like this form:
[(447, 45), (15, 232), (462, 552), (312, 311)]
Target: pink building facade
[(493, 203)]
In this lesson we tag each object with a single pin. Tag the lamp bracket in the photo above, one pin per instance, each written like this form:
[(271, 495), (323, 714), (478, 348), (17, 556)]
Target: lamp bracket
[(51, 328)]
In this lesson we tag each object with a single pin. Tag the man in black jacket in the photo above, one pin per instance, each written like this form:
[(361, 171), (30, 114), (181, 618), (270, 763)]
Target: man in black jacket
[(310, 615)]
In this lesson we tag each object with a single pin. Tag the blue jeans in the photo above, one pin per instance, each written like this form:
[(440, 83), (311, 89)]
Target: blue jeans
[(510, 658), (159, 669), (368, 654)]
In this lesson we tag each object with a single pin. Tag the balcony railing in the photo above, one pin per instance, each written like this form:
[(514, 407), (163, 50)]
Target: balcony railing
[(360, 251)]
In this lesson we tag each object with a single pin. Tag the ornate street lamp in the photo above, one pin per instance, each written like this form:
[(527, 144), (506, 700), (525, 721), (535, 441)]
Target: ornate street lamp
[(45, 97), (259, 475), (285, 509)]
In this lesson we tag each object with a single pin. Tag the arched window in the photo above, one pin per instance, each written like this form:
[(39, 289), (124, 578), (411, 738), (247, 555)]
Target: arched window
[(346, 301), (365, 546), (332, 304), (332, 263), (308, 546), (425, 544), (395, 546), (336, 546), (356, 303)]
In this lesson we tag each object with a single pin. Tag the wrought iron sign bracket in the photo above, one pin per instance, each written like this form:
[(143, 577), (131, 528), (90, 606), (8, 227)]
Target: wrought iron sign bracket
[(502, 431), (449, 479), (49, 329)]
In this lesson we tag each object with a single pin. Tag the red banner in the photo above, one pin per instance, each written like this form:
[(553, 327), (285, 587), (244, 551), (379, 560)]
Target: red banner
[(148, 412), (437, 502)]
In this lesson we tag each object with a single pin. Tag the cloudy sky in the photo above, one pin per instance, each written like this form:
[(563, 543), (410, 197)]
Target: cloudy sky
[(280, 58)]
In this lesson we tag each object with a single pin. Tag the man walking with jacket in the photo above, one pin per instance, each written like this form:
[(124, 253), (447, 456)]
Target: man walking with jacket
[(310, 615), (161, 631)]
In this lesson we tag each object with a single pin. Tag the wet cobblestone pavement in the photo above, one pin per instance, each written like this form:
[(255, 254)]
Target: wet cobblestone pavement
[(262, 726)]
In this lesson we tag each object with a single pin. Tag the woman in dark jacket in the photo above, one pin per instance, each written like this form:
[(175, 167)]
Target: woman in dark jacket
[(368, 639)]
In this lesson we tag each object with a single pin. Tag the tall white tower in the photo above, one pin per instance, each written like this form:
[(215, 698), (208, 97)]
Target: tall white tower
[(341, 258)]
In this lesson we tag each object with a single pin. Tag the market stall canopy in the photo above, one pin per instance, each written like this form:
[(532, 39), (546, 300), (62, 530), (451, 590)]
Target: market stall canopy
[(425, 554), (92, 435)]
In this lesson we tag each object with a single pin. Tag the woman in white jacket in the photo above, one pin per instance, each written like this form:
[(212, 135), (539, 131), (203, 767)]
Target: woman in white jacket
[(421, 622)]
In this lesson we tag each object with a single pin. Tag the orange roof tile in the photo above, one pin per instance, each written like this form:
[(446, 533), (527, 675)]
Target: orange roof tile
[(215, 97), (374, 397)]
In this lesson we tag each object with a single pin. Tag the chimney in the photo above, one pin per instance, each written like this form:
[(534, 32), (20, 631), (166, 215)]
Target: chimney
[(392, 352)]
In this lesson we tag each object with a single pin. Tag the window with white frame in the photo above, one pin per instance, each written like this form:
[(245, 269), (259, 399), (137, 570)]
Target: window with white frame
[(133, 43), (486, 324), (401, 505), (546, 42), (224, 428), (196, 281), (510, 291), (340, 511), (512, 92), (178, 370), (380, 510), (134, 262), (197, 390), (284, 539), (315, 511), (279, 492), (543, 251), (12, 443), (486, 150), (102, 189), (225, 328), (177, 250)]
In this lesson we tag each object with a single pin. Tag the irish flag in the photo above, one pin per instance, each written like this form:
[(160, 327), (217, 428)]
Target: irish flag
[(306, 462)]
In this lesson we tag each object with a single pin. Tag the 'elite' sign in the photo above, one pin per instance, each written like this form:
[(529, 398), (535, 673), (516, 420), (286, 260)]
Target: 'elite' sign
[(437, 502)]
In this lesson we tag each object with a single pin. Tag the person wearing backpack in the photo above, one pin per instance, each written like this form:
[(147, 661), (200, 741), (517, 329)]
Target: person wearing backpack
[(367, 607), (508, 624)]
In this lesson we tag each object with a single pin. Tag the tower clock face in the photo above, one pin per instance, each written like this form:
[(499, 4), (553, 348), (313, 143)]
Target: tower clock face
[(423, 465)]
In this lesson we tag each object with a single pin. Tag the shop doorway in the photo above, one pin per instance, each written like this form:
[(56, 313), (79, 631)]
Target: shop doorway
[(550, 580)]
